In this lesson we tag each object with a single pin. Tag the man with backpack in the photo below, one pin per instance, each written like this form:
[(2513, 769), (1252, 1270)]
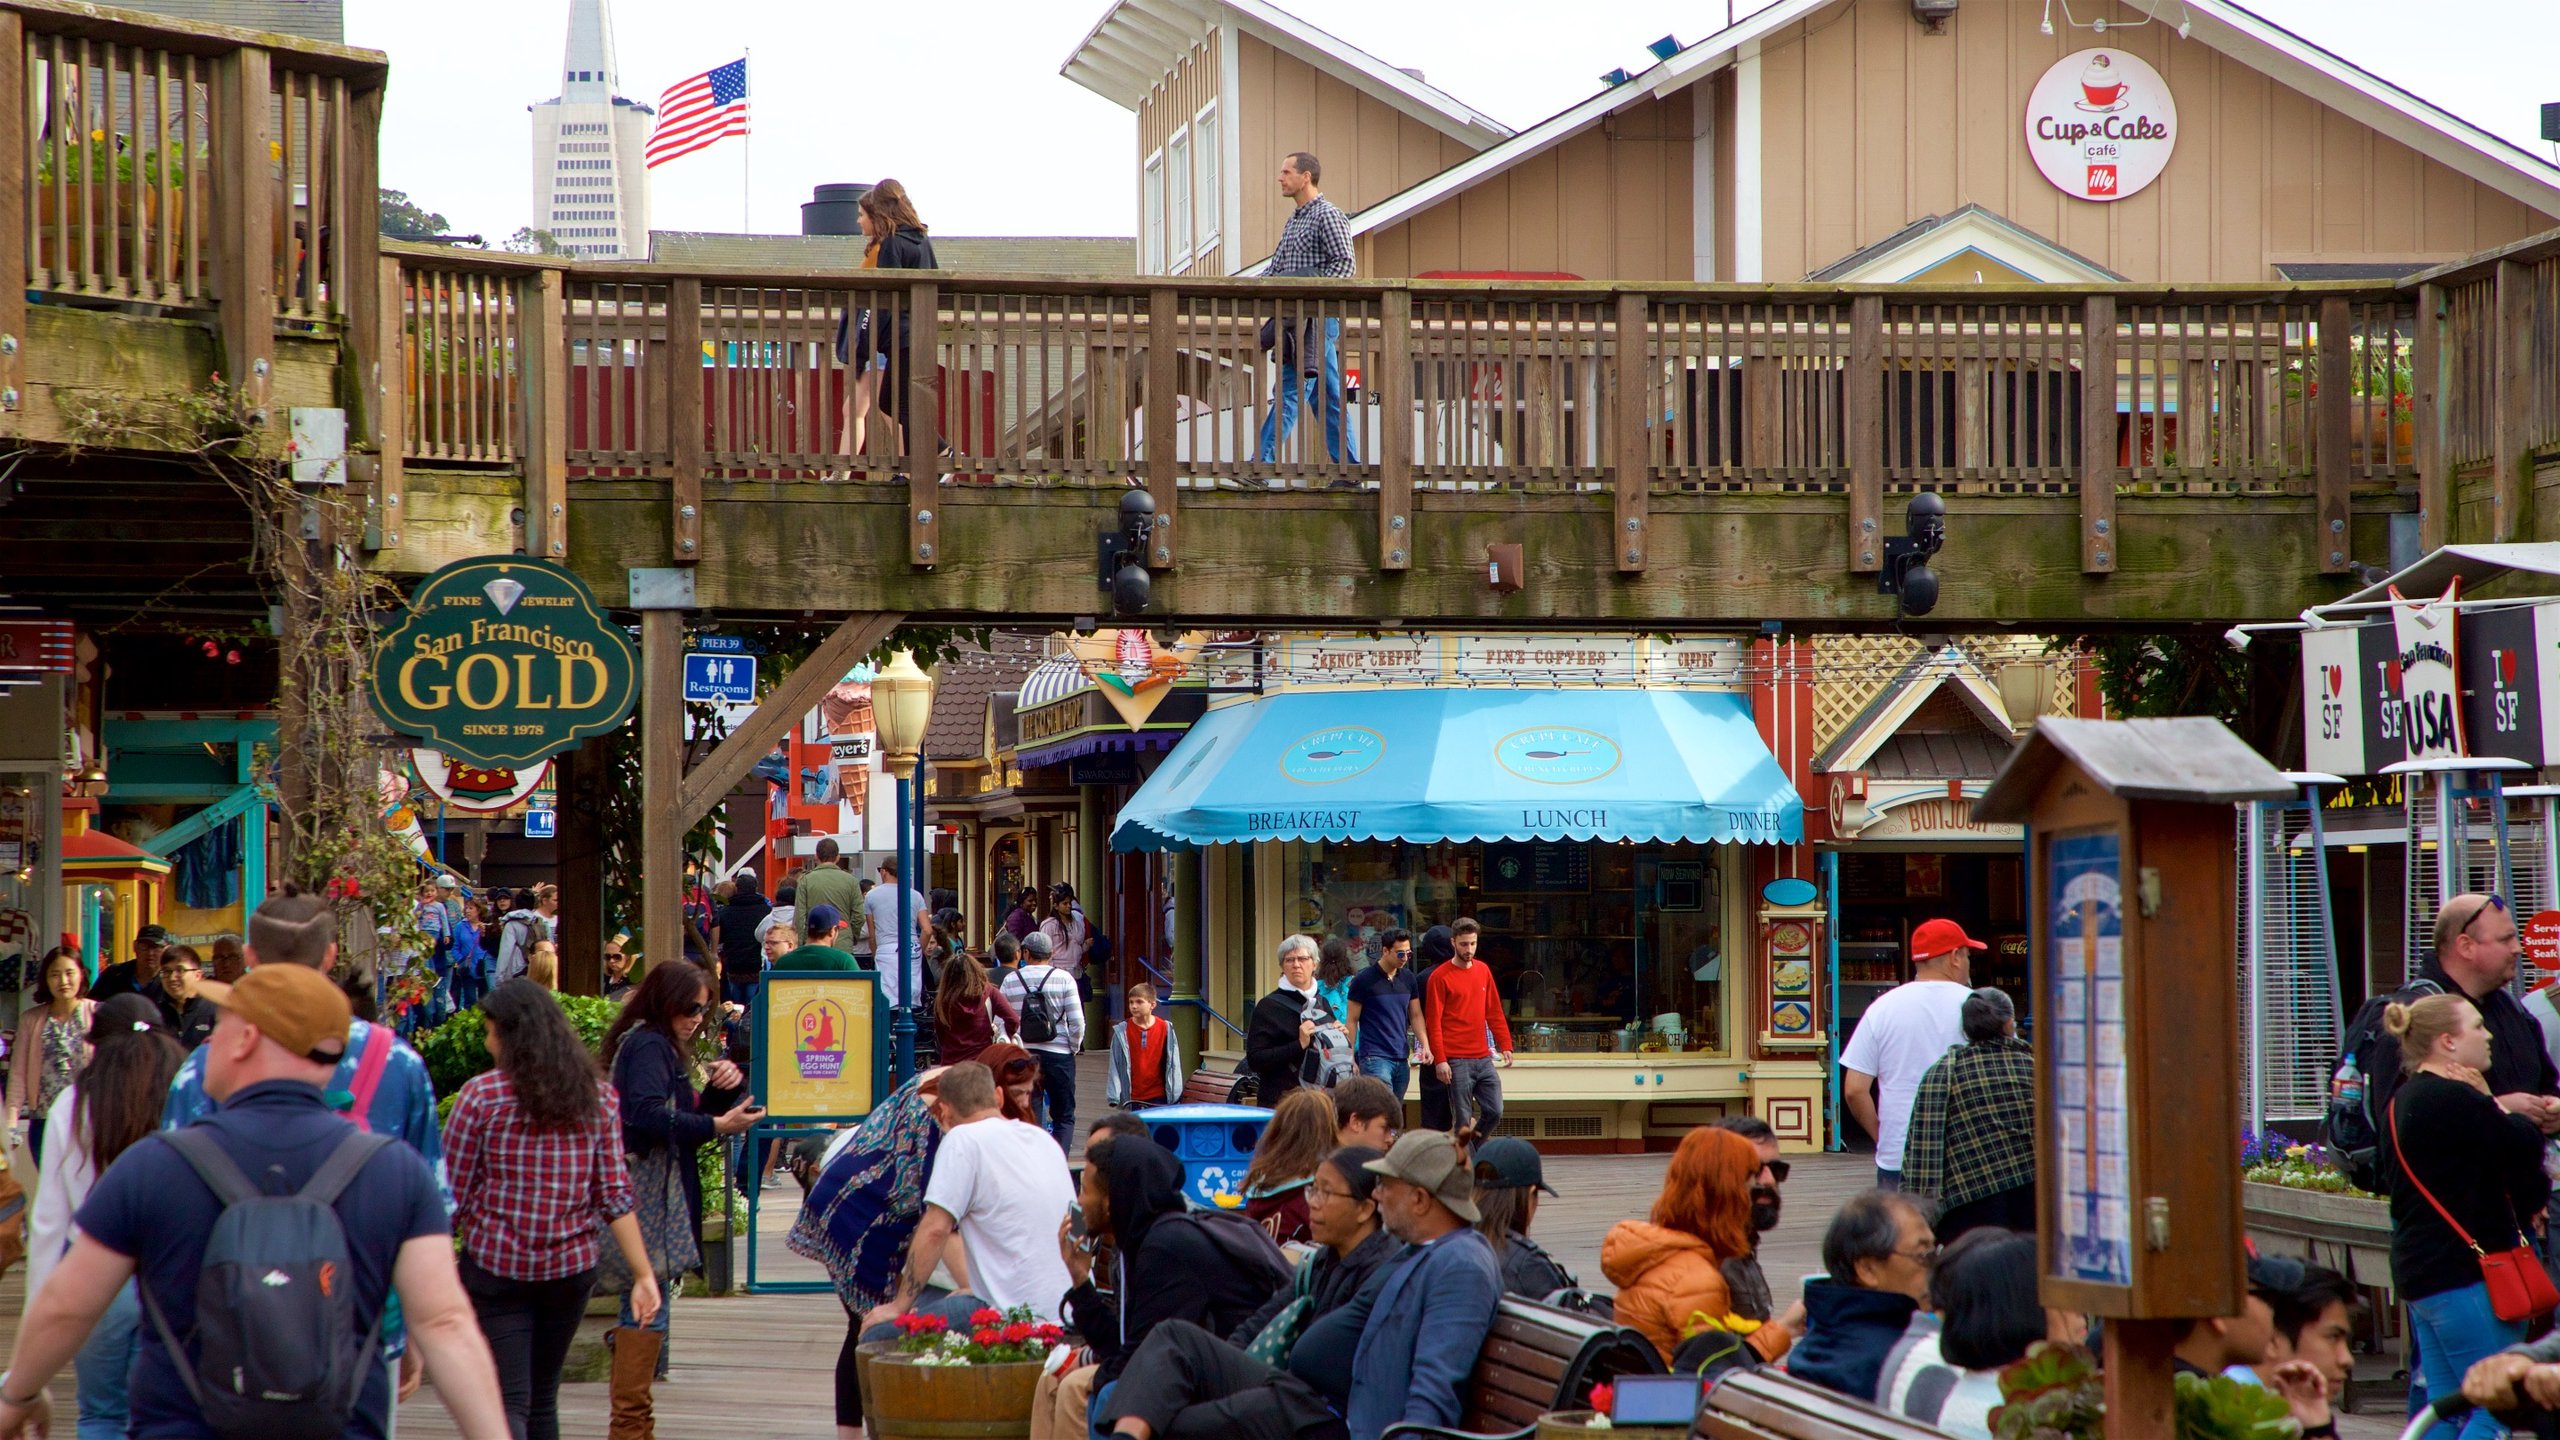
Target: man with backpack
[(338, 1221), (1044, 995), (516, 934)]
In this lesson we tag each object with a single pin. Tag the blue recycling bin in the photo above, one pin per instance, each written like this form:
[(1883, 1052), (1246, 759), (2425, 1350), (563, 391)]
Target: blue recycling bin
[(1213, 1142)]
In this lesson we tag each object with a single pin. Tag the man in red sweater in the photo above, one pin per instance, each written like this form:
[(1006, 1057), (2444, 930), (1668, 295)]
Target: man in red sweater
[(1469, 1034)]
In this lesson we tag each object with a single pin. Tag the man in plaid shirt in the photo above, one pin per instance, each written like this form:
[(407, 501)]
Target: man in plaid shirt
[(1972, 1143), (1315, 241)]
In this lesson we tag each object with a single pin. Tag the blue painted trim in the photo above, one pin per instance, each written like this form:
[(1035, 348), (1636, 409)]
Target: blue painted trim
[(1830, 866)]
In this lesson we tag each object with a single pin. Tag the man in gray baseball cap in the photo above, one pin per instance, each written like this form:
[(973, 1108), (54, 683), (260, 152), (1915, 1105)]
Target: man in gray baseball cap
[(1429, 1318)]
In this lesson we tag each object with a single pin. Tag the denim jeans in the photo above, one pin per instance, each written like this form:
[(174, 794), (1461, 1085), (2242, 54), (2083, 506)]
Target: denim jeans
[(1294, 382), (1393, 1073), (2456, 1330), (1475, 1094), (103, 1365), (666, 1309), (1058, 1091)]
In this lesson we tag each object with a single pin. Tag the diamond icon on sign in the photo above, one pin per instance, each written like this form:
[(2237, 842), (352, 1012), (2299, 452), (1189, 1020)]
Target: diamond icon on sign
[(503, 593)]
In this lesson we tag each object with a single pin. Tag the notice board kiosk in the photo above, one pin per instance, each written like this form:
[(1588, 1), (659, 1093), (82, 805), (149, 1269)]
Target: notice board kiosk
[(821, 1040), (2130, 887)]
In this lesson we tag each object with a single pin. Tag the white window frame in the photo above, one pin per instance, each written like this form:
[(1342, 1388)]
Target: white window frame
[(1151, 215), (1178, 199), (1208, 204)]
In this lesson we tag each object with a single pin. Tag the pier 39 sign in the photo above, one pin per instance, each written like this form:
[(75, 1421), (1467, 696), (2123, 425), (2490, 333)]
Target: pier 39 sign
[(502, 661)]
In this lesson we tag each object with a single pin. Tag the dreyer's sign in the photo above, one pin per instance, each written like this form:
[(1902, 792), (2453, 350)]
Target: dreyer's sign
[(2101, 124), (2487, 687)]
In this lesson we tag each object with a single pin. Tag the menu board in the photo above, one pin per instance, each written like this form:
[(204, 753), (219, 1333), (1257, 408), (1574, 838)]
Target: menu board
[(2083, 1053), (817, 1045), (1514, 867)]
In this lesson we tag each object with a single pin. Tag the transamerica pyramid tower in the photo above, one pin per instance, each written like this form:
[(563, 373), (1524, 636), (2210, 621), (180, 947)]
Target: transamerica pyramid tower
[(590, 189)]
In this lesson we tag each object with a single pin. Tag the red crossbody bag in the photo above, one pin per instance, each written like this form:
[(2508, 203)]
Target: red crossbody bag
[(2519, 1288)]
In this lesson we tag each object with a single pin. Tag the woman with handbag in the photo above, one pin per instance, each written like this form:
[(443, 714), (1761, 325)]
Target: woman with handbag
[(875, 342), (53, 1043), (534, 1154), (674, 1102), (2462, 1174)]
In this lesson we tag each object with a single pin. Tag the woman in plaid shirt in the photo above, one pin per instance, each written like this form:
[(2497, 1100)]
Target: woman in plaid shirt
[(534, 1151)]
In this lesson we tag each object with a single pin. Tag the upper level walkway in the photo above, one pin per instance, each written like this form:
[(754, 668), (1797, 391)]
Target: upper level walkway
[(1663, 454)]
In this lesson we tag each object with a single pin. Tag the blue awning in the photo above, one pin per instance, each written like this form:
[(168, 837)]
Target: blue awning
[(1446, 764)]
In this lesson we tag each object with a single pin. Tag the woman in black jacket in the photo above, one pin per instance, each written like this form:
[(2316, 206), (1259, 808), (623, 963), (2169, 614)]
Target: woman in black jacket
[(1342, 1218), (1435, 946), (2455, 1159), (1284, 1023), (1211, 1269), (667, 1117), (867, 340)]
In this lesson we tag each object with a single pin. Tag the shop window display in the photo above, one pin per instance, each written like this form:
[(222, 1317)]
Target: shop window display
[(1594, 946)]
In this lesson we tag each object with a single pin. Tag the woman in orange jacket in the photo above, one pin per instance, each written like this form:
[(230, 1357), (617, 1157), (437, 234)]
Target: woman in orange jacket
[(1672, 1271)]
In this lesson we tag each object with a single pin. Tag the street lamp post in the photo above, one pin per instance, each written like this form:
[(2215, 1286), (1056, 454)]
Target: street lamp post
[(902, 698)]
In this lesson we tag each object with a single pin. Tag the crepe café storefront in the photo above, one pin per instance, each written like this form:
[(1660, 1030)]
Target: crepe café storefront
[(1600, 805)]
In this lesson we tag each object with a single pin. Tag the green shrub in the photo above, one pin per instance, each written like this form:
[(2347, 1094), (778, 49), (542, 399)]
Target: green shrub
[(455, 1050)]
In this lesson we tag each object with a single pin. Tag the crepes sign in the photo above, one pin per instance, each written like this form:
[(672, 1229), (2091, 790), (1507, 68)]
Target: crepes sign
[(502, 661)]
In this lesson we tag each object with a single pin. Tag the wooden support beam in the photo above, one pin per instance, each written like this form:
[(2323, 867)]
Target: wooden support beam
[(662, 827), (582, 777), (2140, 1378), (1164, 372), (389, 373), (1631, 459), (13, 225), (542, 315), (2098, 468), (1394, 379), (2430, 377), (2335, 410), (244, 222), (924, 467), (719, 773), (359, 265), (2511, 407), (1866, 434), (684, 418)]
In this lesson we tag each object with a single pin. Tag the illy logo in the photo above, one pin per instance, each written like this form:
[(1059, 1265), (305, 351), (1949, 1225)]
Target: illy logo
[(2102, 180)]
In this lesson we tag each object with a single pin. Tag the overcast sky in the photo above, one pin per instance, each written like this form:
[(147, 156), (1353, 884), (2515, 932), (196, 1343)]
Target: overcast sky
[(964, 102)]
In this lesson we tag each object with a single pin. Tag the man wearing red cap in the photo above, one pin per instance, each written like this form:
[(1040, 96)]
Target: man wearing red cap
[(1902, 1034)]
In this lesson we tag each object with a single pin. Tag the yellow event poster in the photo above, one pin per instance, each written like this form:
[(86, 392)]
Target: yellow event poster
[(818, 1053)]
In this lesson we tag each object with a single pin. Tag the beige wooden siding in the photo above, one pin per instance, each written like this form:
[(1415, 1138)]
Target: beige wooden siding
[(1610, 203), (1869, 123), (1177, 98), (1370, 149)]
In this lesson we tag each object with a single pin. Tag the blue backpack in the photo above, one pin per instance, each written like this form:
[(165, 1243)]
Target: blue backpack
[(276, 1350)]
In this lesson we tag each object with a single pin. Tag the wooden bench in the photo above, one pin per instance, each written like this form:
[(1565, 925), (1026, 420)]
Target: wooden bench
[(1537, 1359), (1765, 1404), (1205, 1086)]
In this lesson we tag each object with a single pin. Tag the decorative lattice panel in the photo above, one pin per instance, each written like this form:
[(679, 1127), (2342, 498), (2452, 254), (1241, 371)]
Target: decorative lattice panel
[(1850, 671)]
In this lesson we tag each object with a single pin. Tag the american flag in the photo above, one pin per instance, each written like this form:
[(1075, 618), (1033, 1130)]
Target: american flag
[(699, 112)]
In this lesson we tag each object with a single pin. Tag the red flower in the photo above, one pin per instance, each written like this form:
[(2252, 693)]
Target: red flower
[(1049, 1334), (985, 1337), (986, 1317), (1015, 1334), (1604, 1398)]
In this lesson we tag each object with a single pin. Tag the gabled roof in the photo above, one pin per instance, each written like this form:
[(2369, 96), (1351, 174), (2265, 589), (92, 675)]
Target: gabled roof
[(2255, 41), (1967, 230), (1136, 42), (1931, 675)]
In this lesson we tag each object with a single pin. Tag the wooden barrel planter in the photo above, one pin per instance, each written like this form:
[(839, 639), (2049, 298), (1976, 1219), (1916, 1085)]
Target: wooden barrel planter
[(1576, 1425), (905, 1401)]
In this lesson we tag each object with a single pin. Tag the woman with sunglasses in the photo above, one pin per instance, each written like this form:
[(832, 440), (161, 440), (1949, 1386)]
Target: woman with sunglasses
[(674, 1102)]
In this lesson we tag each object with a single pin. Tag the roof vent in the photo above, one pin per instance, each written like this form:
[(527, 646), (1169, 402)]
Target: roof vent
[(1416, 74)]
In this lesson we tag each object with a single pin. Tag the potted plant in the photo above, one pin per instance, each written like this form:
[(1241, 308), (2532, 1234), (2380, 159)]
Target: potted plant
[(72, 181), (2295, 1200), (934, 1380), (2052, 1394)]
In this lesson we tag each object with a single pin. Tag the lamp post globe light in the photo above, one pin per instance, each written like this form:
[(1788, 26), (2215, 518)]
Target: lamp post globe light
[(902, 701)]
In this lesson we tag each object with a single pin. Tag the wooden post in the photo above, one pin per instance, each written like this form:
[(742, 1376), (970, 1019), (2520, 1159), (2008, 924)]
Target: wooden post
[(1631, 454), (387, 379), (359, 265), (2336, 408), (2139, 1373), (244, 200), (2511, 411), (782, 707), (1866, 434), (2428, 365), (542, 310), (1164, 372), (2098, 467), (684, 419), (1189, 885), (1394, 382), (662, 826), (13, 225), (923, 362), (583, 775)]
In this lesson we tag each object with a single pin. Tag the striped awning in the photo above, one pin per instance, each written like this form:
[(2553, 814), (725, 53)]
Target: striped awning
[(1051, 681)]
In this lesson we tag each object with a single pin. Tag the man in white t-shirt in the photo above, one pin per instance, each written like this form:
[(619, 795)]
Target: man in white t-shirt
[(1004, 1186), (888, 945), (1902, 1034)]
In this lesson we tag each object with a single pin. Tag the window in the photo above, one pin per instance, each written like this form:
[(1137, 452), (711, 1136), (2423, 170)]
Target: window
[(1209, 199), (1151, 219), (1177, 174)]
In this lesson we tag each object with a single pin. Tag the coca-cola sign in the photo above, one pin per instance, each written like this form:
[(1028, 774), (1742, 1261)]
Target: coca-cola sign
[(2101, 124)]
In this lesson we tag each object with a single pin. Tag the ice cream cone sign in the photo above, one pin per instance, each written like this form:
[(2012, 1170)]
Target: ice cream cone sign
[(1134, 671)]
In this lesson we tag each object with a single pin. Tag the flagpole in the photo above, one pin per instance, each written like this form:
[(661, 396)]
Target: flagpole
[(747, 150)]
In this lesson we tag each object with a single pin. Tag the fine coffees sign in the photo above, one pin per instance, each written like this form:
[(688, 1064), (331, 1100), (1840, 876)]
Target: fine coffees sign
[(2101, 124), (503, 661)]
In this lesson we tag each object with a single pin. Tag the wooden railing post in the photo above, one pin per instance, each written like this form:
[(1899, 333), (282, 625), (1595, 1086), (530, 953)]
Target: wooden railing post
[(923, 424), (2429, 361), (1164, 377), (2511, 409), (13, 224), (2098, 467), (244, 202), (1394, 364), (361, 363), (2336, 408), (1631, 453), (387, 389), (1866, 434), (684, 420), (542, 331)]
